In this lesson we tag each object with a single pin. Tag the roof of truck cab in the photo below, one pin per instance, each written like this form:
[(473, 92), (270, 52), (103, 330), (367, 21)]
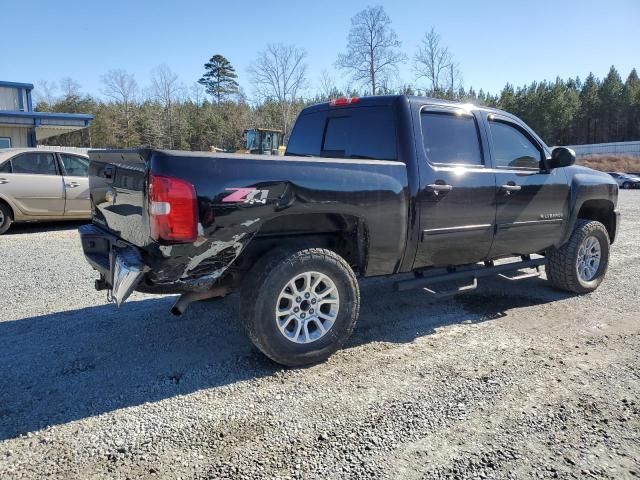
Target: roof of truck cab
[(391, 99)]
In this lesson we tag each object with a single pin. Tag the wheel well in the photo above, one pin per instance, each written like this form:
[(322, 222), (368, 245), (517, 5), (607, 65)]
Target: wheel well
[(11, 212), (346, 235), (601, 211)]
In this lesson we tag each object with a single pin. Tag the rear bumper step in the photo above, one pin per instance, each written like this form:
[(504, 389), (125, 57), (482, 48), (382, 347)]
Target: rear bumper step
[(120, 266)]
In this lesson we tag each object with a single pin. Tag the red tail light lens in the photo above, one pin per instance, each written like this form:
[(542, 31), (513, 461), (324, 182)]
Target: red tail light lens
[(173, 209), (339, 102)]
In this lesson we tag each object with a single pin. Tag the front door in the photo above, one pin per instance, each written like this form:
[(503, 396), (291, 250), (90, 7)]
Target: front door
[(457, 188), (76, 184), (34, 184), (532, 205)]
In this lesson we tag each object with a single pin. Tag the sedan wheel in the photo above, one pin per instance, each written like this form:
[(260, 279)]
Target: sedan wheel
[(5, 218)]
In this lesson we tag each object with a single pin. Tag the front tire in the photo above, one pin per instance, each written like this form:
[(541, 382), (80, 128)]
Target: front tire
[(580, 265), (6, 218), (299, 307), (626, 185)]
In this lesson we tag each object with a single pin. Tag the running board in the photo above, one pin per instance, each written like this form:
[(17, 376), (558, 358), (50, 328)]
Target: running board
[(523, 276), (455, 291), (471, 273)]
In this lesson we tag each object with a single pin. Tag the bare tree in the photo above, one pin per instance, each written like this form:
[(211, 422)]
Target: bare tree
[(372, 48), (434, 62), (279, 73), (166, 88), (70, 89), (121, 87), (327, 84), (454, 80), (198, 94), (45, 92)]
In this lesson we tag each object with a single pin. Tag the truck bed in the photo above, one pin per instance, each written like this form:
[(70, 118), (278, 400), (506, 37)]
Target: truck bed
[(241, 196)]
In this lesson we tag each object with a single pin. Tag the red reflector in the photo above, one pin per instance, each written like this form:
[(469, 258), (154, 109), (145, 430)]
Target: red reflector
[(173, 209), (338, 102)]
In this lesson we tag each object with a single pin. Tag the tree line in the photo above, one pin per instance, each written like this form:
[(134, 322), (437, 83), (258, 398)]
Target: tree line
[(214, 110)]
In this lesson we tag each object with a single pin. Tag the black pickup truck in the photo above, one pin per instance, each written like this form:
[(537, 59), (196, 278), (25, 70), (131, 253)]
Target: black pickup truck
[(368, 186)]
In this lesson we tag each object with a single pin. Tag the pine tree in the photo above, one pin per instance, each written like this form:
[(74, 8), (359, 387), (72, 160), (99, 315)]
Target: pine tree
[(589, 109), (219, 78), (610, 95), (631, 98)]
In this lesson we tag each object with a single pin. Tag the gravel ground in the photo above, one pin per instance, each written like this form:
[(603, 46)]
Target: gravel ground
[(515, 381)]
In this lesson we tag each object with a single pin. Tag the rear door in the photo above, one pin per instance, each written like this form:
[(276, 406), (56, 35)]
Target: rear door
[(75, 170), (532, 205), (457, 187), (34, 184)]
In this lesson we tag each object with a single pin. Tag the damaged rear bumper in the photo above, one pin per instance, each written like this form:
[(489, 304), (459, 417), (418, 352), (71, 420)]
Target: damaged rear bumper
[(120, 265)]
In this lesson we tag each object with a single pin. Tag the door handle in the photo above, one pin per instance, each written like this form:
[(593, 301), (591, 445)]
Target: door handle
[(3, 181), (436, 188), (72, 185), (508, 188)]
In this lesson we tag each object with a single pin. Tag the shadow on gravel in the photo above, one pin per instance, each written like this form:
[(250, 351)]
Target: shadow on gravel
[(399, 317), (70, 365), (36, 227)]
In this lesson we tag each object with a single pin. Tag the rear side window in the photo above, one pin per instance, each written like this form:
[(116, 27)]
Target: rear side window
[(306, 138), (451, 138), (75, 166), (35, 164), (359, 132)]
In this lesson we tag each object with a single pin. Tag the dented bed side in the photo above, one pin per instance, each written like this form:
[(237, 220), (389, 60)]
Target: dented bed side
[(240, 197)]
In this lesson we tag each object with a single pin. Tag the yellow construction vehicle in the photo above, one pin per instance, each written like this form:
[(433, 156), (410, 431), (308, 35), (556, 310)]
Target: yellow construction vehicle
[(262, 141)]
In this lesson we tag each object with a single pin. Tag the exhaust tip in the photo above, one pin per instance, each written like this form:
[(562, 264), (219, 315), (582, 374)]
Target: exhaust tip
[(175, 310)]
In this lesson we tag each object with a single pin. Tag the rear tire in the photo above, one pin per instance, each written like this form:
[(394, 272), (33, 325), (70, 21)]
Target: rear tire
[(626, 185), (580, 265), (322, 289), (6, 218)]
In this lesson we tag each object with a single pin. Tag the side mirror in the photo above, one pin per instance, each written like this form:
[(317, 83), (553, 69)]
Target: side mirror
[(561, 157)]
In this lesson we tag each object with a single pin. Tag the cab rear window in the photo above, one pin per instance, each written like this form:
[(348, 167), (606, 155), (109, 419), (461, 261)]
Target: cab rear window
[(358, 132)]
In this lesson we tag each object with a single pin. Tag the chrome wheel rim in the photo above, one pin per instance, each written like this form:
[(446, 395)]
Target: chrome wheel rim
[(307, 307), (588, 261)]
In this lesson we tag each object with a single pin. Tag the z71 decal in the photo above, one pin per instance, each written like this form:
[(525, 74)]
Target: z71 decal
[(246, 195)]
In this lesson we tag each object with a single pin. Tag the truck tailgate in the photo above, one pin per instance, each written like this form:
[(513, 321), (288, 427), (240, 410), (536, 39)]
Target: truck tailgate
[(117, 180)]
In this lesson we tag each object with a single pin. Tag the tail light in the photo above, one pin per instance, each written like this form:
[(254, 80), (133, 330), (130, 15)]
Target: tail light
[(339, 102), (173, 209)]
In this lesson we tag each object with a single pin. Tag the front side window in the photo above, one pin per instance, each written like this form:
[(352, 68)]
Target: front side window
[(451, 138), (5, 167), (5, 142), (75, 166), (34, 164), (512, 148)]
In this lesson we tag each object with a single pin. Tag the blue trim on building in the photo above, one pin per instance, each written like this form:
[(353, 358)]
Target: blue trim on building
[(29, 102), (40, 115), (28, 86)]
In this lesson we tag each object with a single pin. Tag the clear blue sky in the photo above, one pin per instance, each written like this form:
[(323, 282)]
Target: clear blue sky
[(494, 41)]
